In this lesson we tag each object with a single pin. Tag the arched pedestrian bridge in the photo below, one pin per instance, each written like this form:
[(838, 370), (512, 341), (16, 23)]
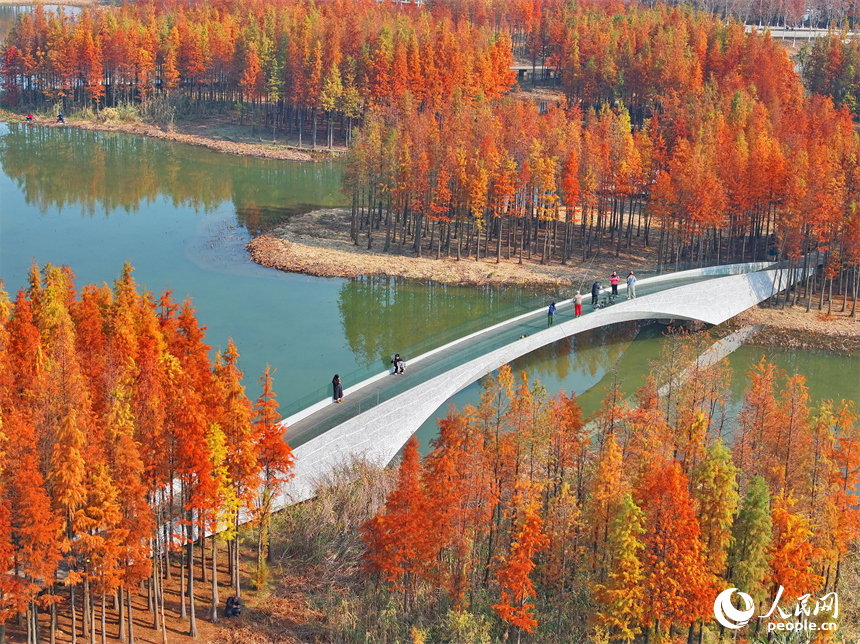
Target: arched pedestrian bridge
[(379, 415)]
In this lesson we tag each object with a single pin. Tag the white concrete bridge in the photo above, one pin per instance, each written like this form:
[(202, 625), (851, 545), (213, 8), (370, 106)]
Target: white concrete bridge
[(380, 414)]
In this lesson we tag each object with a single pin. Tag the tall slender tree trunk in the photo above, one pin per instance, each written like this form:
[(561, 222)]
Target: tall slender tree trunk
[(214, 613), (192, 623), (53, 632), (856, 284), (183, 611), (86, 622), (154, 583), (121, 616), (314, 118), (92, 603), (73, 609), (202, 539), (387, 230), (130, 617)]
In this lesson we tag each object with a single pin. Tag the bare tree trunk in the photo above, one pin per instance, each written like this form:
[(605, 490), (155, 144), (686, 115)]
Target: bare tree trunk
[(53, 632), (130, 618), (85, 610), (192, 625), (121, 606), (202, 539), (214, 613), (73, 610), (183, 612)]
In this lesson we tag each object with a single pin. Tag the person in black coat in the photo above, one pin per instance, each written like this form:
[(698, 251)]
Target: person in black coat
[(595, 292), (338, 388), (234, 607)]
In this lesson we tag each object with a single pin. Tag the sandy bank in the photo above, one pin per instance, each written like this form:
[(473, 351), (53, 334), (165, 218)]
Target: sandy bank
[(214, 134), (263, 150), (318, 243)]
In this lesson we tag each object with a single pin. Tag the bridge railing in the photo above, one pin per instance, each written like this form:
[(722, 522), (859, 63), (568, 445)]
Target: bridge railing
[(362, 374), (412, 351), (399, 386)]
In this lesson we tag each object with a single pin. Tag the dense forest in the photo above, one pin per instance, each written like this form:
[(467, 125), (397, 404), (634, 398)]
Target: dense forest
[(122, 445), (675, 128), (525, 518), (670, 126), (831, 67)]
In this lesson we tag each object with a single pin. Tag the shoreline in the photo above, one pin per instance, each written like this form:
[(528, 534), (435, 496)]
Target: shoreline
[(261, 150), (184, 134), (793, 328), (318, 244)]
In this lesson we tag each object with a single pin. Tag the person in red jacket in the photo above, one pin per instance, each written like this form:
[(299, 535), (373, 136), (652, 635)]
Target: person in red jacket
[(614, 279)]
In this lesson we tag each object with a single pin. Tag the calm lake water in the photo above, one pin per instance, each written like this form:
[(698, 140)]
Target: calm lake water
[(182, 215)]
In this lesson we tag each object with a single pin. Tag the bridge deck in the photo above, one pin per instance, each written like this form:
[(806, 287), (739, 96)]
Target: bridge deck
[(454, 355)]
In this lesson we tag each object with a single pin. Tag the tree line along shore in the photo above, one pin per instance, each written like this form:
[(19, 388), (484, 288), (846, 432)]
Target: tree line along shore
[(673, 125)]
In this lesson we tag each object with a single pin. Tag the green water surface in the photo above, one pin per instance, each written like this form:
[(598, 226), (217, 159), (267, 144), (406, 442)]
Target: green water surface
[(182, 215)]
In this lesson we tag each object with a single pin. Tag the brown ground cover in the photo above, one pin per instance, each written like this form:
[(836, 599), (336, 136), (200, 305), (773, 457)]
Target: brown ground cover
[(278, 615), (795, 328)]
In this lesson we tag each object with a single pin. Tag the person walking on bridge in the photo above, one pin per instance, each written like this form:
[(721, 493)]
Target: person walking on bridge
[(595, 293), (550, 315), (631, 286), (577, 300)]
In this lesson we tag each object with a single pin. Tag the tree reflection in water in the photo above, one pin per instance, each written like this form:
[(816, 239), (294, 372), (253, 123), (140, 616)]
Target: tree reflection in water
[(383, 315), (105, 172)]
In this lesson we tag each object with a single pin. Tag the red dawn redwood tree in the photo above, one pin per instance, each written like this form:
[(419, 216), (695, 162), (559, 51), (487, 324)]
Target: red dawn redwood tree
[(515, 571), (396, 541), (274, 459), (241, 461)]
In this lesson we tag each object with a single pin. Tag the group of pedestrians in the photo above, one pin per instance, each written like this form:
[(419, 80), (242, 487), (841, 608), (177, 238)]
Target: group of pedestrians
[(614, 279), (337, 387), (596, 288)]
